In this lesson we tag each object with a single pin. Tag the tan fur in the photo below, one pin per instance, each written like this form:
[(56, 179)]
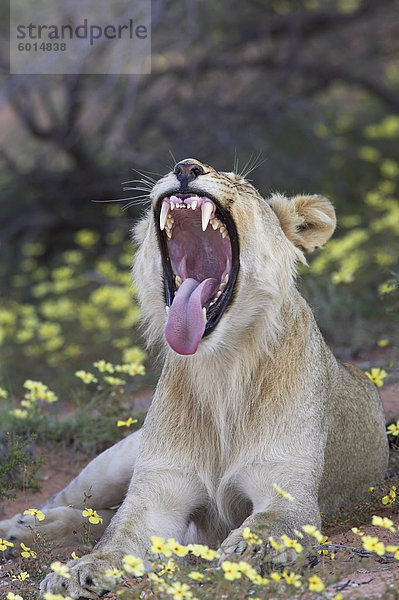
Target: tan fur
[(262, 401)]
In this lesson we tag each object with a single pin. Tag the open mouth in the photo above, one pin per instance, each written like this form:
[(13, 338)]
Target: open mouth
[(199, 247)]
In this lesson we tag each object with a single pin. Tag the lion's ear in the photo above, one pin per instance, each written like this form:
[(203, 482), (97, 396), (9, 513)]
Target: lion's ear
[(307, 221)]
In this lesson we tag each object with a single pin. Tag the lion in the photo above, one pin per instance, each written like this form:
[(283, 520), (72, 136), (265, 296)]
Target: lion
[(250, 401)]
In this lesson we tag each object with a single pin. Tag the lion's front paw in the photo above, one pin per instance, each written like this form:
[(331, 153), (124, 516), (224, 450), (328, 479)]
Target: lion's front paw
[(86, 579), (256, 554)]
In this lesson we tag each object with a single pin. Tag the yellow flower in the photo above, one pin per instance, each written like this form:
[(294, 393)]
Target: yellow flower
[(289, 543), (372, 544), (390, 498), (275, 544), (18, 413), (338, 596), (134, 355), (179, 590), (298, 534), (283, 493), (133, 565), (206, 553), (177, 548), (3, 393), (383, 522), (322, 542), (60, 569), (114, 380), (130, 369), (38, 391), (4, 544), (21, 576), (50, 596), (94, 518), (251, 538), (86, 238), (313, 531), (113, 573), (159, 546), (126, 423), (357, 531), (12, 596), (377, 376), (169, 567), (196, 575), (393, 429), (74, 556), (251, 573), (35, 512), (104, 366), (315, 584), (383, 343), (371, 489), (86, 377), (292, 578), (231, 570), (27, 552), (394, 549), (275, 576)]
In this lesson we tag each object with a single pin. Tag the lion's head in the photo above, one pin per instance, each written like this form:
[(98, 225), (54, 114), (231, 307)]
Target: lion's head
[(211, 245)]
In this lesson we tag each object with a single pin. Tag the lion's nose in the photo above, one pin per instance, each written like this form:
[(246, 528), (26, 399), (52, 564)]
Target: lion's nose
[(186, 172)]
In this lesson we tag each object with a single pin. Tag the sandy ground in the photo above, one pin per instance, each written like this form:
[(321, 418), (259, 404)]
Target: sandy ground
[(364, 578)]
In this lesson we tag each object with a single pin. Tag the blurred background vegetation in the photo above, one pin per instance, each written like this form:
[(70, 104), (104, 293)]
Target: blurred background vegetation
[(310, 86)]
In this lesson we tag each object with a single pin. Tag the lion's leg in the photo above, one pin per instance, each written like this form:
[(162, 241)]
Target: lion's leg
[(159, 503), (275, 514), (62, 526), (102, 484), (104, 481)]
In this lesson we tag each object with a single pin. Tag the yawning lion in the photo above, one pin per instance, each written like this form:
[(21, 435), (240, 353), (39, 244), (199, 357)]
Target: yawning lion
[(250, 399)]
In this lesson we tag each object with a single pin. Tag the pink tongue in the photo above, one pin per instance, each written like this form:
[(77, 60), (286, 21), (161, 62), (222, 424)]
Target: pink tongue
[(186, 324)]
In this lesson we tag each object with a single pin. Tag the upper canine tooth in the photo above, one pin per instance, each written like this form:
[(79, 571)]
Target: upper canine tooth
[(164, 215), (206, 211)]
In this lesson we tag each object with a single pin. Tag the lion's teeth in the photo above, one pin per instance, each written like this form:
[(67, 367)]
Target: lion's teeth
[(172, 206), (164, 215), (206, 211), (167, 309), (204, 313), (178, 281), (194, 204), (226, 279)]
